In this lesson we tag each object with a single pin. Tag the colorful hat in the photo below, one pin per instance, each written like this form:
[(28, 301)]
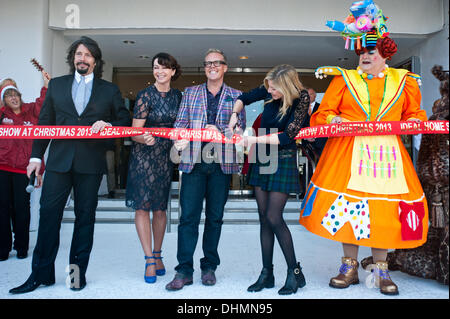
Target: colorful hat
[(363, 27), (6, 88)]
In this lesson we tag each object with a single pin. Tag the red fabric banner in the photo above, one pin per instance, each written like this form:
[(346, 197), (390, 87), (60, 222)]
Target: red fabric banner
[(375, 128), (207, 135)]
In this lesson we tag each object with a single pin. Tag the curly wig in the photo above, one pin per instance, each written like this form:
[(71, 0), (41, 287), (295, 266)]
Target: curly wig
[(386, 47)]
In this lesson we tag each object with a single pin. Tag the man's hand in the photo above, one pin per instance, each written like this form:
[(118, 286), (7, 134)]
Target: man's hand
[(414, 120), (181, 144), (336, 120), (99, 126), (36, 168), (212, 127)]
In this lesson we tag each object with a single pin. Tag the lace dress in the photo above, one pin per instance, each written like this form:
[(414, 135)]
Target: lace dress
[(150, 169)]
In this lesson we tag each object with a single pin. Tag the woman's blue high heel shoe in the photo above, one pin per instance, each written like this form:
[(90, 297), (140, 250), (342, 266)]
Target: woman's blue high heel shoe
[(149, 279), (159, 272)]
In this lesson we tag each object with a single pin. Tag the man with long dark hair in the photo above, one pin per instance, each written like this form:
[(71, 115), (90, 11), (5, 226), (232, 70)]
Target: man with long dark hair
[(79, 99)]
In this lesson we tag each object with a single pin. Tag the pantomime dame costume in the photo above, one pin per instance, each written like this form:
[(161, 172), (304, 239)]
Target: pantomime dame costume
[(365, 190)]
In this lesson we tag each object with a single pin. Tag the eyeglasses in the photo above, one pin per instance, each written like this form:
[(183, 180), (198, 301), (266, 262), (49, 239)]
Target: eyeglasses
[(217, 63), (12, 95)]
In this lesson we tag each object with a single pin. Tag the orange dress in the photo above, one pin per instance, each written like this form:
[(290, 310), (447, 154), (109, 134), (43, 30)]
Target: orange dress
[(330, 207)]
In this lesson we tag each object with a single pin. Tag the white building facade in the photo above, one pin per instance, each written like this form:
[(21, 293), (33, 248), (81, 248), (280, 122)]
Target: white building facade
[(43, 29), (267, 32)]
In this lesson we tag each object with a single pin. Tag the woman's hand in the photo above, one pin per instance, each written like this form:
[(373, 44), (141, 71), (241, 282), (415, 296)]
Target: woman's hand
[(46, 78), (233, 121), (149, 139), (237, 108), (247, 141)]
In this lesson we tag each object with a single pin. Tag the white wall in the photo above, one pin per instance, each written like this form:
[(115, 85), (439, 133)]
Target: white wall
[(433, 50), (28, 37), (59, 53), (291, 15)]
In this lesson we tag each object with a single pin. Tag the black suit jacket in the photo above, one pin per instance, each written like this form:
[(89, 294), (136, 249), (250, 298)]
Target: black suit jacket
[(85, 156)]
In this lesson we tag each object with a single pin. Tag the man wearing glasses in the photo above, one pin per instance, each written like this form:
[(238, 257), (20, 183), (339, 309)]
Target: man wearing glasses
[(207, 169)]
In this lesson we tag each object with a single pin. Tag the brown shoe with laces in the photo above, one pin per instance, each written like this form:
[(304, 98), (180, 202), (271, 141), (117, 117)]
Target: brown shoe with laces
[(387, 286), (348, 274)]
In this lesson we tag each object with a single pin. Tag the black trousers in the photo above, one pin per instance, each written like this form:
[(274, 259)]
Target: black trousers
[(14, 211), (55, 191)]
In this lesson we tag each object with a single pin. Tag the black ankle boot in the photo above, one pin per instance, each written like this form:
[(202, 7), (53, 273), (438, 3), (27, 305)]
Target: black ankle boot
[(294, 280), (265, 280)]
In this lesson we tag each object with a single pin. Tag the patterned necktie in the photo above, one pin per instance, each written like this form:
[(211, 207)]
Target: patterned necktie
[(79, 98)]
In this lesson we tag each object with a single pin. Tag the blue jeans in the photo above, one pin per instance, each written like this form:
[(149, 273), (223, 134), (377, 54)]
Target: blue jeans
[(205, 181)]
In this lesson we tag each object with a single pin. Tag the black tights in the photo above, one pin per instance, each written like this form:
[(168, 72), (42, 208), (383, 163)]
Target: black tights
[(270, 209)]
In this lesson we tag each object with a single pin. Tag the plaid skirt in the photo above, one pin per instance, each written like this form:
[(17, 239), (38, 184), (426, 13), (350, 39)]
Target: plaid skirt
[(283, 177)]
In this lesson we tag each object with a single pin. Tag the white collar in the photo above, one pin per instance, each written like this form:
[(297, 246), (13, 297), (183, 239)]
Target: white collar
[(87, 78)]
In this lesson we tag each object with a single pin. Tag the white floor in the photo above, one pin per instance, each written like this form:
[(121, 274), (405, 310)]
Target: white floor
[(116, 269)]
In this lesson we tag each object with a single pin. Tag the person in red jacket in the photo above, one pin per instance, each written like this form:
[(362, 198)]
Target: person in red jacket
[(14, 157), (6, 82)]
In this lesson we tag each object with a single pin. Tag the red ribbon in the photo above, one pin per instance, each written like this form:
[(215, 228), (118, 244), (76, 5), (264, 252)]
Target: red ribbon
[(374, 128), (207, 135)]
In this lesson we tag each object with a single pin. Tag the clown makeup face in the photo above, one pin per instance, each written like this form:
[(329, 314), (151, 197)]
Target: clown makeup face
[(371, 62)]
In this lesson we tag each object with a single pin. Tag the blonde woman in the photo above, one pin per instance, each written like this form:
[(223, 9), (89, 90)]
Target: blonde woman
[(286, 103)]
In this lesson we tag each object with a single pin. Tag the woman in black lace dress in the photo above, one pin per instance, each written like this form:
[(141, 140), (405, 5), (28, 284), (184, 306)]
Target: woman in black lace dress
[(286, 104), (150, 169)]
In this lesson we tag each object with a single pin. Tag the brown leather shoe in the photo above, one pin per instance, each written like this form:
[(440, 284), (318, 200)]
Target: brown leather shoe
[(208, 277), (348, 274), (387, 286), (179, 282)]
